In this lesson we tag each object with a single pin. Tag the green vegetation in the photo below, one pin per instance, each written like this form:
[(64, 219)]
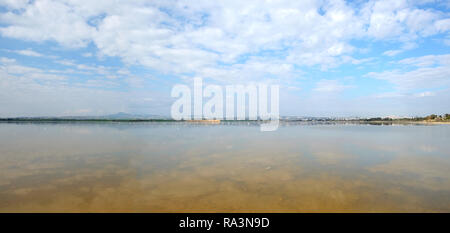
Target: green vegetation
[(429, 118), (434, 117)]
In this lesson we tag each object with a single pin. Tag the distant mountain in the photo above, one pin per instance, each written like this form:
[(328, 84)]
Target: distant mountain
[(116, 116), (123, 115)]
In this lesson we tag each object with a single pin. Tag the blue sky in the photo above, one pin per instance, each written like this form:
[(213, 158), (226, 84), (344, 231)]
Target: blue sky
[(330, 58)]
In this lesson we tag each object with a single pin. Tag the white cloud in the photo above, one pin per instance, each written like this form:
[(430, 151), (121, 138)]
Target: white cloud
[(11, 67), (14, 4), (326, 85), (6, 60), (389, 95), (428, 60), (108, 72), (392, 53), (405, 94), (427, 77), (20, 97), (87, 54), (425, 94), (181, 37), (442, 25), (30, 91), (47, 20), (402, 20), (430, 72), (29, 52), (447, 41)]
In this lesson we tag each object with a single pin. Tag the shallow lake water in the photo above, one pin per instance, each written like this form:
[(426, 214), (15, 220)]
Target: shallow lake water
[(179, 167)]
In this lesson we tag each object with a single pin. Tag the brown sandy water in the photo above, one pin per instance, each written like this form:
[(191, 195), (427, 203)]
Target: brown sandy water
[(175, 167)]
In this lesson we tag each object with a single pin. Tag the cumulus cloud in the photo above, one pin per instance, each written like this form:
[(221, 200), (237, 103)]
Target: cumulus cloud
[(47, 20), (180, 37), (392, 52), (32, 91), (29, 52), (428, 60), (430, 71)]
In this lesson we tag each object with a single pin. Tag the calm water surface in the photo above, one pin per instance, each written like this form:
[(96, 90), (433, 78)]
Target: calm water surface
[(174, 167)]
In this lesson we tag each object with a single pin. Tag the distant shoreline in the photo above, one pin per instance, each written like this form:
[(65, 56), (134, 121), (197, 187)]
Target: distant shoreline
[(320, 121), (81, 120), (419, 122)]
